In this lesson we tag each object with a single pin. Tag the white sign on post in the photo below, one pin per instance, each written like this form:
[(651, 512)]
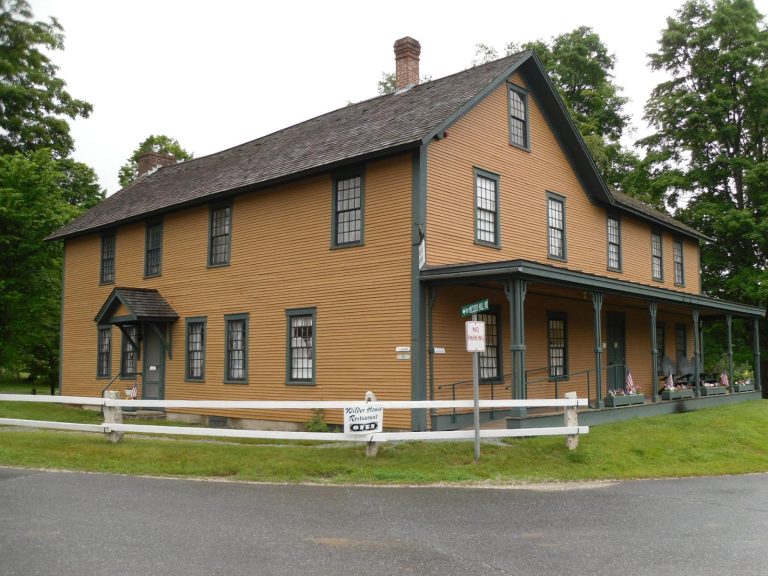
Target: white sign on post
[(363, 419), (475, 332)]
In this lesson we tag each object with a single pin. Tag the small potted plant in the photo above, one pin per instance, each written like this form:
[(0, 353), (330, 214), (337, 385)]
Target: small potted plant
[(744, 378)]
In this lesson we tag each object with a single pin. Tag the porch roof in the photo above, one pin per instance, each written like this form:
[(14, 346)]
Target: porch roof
[(141, 304), (543, 273)]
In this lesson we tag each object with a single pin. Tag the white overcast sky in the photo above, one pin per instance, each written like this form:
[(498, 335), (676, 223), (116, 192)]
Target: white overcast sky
[(215, 74)]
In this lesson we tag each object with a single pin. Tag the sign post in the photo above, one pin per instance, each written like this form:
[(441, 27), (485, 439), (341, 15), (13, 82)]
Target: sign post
[(475, 335)]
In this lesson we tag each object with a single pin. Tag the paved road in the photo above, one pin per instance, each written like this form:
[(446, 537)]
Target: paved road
[(88, 524)]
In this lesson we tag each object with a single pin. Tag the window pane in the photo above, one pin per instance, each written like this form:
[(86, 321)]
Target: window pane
[(104, 362), (195, 349), (557, 333), (656, 256), (154, 249), (128, 355), (220, 230), (614, 244), (108, 259), (487, 197), (348, 210), (236, 352), (517, 121), (490, 365), (678, 257), (556, 228), (301, 347)]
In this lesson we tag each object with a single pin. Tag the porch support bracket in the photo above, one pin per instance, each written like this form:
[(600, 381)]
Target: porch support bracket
[(165, 342), (515, 290), (696, 353), (131, 341), (756, 344), (597, 304), (653, 308)]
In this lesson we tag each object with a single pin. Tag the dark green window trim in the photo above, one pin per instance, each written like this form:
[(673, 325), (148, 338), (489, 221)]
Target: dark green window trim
[(519, 117), (108, 257), (153, 249), (348, 211), (128, 364), (679, 262), (104, 352), (487, 226), (681, 343), (613, 235), (557, 246), (219, 235), (661, 334), (195, 333), (491, 363), (657, 256), (236, 349), (557, 345), (300, 346)]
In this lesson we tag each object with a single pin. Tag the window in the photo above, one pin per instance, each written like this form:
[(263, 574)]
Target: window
[(681, 342), (660, 341), (104, 354), (557, 338), (556, 221), (236, 369), (486, 208), (677, 254), (153, 248), (195, 349), (518, 117), (348, 210), (656, 257), (490, 360), (221, 231), (614, 244), (108, 259), (301, 349), (128, 352)]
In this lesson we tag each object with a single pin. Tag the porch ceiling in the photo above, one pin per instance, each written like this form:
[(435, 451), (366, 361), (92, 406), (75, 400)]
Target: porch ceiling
[(581, 281)]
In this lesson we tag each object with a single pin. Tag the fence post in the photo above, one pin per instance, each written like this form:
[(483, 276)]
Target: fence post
[(372, 448), (113, 415), (571, 419)]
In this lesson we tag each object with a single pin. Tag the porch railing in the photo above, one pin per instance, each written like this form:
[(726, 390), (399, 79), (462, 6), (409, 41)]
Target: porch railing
[(492, 384), (556, 380)]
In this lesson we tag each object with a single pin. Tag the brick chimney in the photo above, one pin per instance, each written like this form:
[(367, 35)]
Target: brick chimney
[(151, 161), (407, 51)]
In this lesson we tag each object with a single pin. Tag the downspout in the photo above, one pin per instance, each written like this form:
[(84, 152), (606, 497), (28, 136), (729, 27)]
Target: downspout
[(61, 317), (418, 300)]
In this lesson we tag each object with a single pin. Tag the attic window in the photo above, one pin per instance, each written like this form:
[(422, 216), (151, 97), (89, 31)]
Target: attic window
[(518, 117), (348, 191)]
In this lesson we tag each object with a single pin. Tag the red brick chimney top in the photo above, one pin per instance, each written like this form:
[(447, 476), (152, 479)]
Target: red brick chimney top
[(407, 51), (151, 161)]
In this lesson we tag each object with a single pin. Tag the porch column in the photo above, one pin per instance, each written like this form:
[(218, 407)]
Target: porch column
[(756, 344), (653, 309), (729, 331), (431, 297), (597, 304), (696, 353), (515, 290)]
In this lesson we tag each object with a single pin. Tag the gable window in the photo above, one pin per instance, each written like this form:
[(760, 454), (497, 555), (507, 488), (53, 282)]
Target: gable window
[(220, 235), (657, 267), (486, 208), (236, 360), (153, 248), (108, 259), (301, 349), (677, 255), (614, 244), (518, 117), (490, 360), (556, 226), (557, 345), (348, 210), (104, 354), (195, 349), (128, 352)]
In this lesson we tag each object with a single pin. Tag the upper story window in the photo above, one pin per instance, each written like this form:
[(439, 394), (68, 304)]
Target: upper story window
[(486, 208), (153, 248), (348, 210), (614, 243), (301, 348), (108, 259), (220, 235), (236, 361), (657, 266), (556, 225), (129, 352), (518, 117), (677, 255), (104, 352)]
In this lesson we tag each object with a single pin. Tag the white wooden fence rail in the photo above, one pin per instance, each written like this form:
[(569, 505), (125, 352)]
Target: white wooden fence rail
[(111, 428)]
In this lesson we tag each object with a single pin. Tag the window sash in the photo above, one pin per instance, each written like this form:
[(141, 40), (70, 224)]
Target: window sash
[(107, 259), (301, 351), (104, 353), (678, 259), (518, 118), (486, 194), (128, 359), (348, 206), (614, 244), (236, 349), (556, 217), (221, 225), (656, 257), (195, 369), (154, 248), (490, 361), (557, 335)]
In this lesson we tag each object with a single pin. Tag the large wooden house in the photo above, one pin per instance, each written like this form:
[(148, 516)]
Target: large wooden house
[(333, 257)]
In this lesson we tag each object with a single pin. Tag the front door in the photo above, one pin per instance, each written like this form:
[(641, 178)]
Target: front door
[(617, 357), (153, 368)]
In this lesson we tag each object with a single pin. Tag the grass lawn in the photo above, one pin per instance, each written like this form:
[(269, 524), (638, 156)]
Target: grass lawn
[(723, 440)]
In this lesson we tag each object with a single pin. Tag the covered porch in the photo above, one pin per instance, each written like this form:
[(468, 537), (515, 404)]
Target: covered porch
[(551, 330)]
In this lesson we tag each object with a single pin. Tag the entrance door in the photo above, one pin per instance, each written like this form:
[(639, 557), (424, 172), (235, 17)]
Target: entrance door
[(617, 358), (153, 368)]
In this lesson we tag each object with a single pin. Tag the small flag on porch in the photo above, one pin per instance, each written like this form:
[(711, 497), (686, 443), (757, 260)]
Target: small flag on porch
[(669, 382), (629, 384), (724, 379), (134, 390)]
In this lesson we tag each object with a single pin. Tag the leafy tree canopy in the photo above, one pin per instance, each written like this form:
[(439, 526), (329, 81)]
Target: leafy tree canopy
[(160, 143), (33, 100)]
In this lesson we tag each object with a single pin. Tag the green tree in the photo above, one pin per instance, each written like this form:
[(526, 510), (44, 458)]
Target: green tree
[(711, 141), (161, 143), (33, 100)]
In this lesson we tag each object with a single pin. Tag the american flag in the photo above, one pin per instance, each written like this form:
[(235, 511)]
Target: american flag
[(669, 383), (629, 384), (724, 378), (134, 390)]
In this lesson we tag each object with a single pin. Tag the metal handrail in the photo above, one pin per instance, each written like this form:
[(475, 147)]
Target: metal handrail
[(558, 379), (491, 383)]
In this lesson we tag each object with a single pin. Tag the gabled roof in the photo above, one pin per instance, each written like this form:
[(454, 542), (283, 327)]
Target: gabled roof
[(636, 206), (377, 127), (143, 304)]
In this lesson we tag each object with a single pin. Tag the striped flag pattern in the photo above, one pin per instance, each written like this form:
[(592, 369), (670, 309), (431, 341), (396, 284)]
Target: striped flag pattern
[(669, 383), (629, 384), (724, 379), (134, 390)]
